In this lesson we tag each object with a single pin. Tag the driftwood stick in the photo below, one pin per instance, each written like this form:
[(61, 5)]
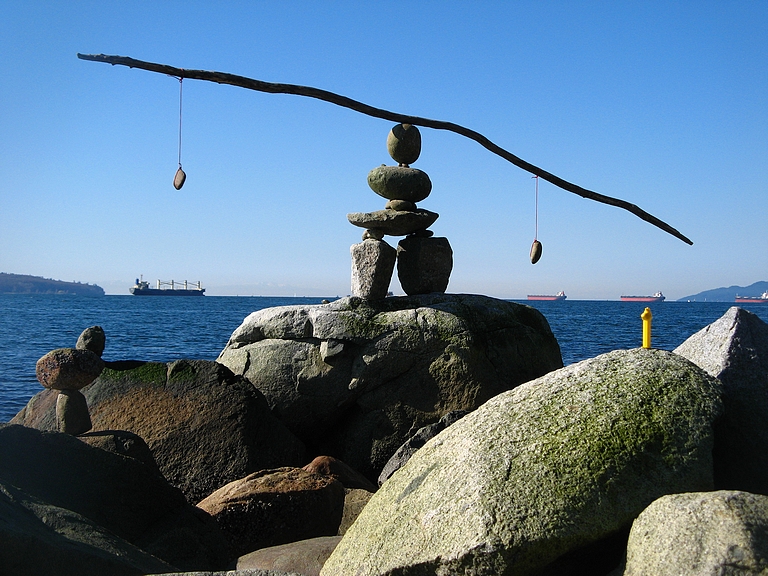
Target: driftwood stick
[(273, 88)]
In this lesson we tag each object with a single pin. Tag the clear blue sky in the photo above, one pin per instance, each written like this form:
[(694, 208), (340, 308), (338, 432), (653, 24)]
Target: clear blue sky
[(663, 104)]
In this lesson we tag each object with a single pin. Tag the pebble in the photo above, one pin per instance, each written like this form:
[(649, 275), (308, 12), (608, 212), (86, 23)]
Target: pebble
[(92, 339), (373, 234), (535, 251), (68, 369), (404, 143), (400, 183), (401, 206)]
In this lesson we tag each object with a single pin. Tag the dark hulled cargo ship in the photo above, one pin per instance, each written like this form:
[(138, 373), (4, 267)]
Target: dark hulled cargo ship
[(171, 288)]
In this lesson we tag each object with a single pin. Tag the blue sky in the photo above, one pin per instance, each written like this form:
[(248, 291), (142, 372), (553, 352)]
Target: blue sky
[(663, 104)]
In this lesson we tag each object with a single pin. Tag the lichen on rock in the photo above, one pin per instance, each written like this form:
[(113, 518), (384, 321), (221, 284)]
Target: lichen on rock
[(401, 363), (541, 471)]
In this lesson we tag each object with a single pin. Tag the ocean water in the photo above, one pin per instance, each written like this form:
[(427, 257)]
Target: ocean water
[(165, 329)]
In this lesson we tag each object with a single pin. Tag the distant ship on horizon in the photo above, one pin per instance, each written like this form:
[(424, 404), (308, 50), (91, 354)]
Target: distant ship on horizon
[(762, 299), (544, 297), (141, 288), (657, 297)]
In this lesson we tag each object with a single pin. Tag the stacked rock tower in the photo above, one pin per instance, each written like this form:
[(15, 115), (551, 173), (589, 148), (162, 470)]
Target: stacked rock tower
[(424, 262)]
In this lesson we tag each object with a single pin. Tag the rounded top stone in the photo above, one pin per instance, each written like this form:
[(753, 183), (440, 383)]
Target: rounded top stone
[(93, 339), (404, 143)]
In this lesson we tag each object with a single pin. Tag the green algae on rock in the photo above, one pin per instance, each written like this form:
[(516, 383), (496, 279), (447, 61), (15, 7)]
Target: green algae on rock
[(542, 470), (173, 406)]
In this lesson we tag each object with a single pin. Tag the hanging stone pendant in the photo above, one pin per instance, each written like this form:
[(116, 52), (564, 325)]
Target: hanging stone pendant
[(535, 251), (178, 180)]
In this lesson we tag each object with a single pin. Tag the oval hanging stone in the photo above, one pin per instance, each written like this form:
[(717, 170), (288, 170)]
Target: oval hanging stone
[(535, 251), (178, 180), (400, 183), (404, 143)]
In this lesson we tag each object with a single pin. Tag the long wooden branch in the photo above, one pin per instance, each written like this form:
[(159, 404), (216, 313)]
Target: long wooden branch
[(273, 88)]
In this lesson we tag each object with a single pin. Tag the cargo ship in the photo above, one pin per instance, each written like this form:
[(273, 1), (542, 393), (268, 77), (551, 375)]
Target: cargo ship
[(658, 297), (762, 299), (171, 288), (559, 296)]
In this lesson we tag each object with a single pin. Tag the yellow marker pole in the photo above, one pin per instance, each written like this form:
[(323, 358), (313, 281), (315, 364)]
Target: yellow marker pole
[(646, 316)]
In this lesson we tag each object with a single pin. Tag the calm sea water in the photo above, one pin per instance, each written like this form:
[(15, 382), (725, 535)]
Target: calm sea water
[(165, 329)]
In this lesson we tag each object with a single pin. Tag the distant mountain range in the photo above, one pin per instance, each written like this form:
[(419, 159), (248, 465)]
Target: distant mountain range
[(24, 284), (727, 294)]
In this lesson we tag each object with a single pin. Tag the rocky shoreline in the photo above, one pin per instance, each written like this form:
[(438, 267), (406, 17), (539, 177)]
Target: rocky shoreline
[(426, 434)]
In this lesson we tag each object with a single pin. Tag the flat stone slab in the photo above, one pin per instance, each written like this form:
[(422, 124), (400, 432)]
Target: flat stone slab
[(394, 222)]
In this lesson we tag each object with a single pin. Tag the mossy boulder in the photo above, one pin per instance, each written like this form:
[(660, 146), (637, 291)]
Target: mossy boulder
[(354, 379), (539, 473), (204, 425)]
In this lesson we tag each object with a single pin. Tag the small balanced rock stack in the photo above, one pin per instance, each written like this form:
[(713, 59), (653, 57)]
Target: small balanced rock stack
[(424, 262), (68, 370)]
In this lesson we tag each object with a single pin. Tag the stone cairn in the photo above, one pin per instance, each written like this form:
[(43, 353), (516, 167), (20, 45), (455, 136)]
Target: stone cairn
[(68, 370), (424, 262)]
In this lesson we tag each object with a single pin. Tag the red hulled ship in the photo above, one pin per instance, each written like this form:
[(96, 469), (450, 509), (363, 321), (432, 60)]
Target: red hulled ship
[(658, 297), (559, 296), (762, 299)]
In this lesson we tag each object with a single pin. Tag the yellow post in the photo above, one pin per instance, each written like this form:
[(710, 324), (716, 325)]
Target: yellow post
[(646, 316)]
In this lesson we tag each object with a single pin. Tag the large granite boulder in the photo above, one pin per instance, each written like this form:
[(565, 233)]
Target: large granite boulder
[(354, 379), (734, 349), (537, 474), (204, 425), (39, 538), (724, 532), (274, 507), (119, 493)]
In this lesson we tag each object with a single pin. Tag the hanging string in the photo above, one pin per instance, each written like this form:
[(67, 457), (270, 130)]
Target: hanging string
[(536, 208), (536, 246), (181, 83), (180, 177)]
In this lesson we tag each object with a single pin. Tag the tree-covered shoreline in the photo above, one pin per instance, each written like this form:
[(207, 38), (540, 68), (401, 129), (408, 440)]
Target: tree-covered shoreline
[(25, 284)]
